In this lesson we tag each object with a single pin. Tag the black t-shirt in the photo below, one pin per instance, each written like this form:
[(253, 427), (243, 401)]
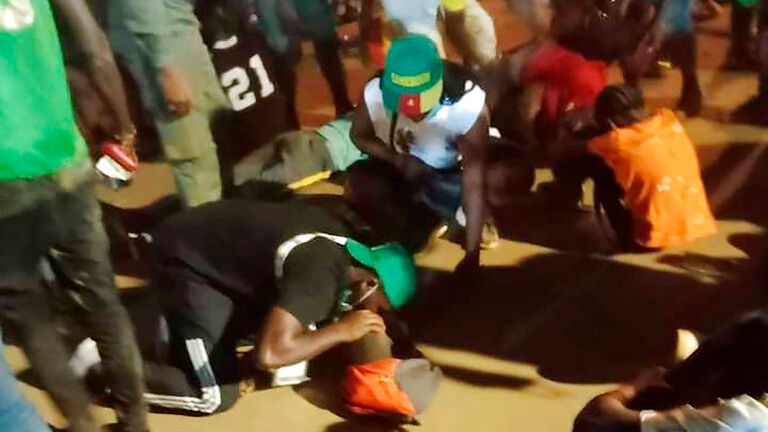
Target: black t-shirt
[(250, 78), (231, 245)]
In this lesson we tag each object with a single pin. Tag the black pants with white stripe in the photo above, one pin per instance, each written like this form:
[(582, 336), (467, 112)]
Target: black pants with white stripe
[(199, 373)]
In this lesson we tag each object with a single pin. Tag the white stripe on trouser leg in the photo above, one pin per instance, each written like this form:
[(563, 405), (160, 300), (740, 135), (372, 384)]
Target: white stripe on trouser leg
[(210, 394)]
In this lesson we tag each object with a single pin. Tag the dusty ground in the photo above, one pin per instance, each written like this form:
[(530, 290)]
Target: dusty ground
[(553, 319)]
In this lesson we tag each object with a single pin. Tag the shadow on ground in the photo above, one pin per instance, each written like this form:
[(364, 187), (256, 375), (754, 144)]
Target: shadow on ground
[(579, 318), (732, 177)]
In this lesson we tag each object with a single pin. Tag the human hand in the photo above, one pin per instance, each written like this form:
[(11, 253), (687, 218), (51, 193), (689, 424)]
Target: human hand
[(609, 413), (176, 91), (355, 325), (127, 141), (653, 392)]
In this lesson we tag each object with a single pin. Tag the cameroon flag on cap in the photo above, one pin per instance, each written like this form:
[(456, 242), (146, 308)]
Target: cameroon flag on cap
[(412, 82)]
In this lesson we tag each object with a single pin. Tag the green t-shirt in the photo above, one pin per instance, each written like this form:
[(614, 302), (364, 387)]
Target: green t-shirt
[(340, 146), (38, 134)]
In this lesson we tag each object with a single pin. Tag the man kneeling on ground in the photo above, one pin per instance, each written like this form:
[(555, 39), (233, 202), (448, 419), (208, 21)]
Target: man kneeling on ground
[(285, 272), (425, 125)]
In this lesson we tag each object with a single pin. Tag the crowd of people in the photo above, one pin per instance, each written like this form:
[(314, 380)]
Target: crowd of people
[(249, 284)]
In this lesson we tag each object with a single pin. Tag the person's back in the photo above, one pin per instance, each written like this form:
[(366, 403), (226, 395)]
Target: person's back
[(656, 166), (239, 253)]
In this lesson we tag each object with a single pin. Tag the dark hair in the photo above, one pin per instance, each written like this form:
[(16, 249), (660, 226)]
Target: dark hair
[(617, 101)]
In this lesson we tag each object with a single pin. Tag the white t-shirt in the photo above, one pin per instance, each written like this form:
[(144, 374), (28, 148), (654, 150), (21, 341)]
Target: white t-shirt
[(434, 139), (740, 414), (417, 16)]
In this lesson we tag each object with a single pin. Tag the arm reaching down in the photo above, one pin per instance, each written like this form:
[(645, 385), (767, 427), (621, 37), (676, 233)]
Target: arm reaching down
[(364, 137), (101, 63), (474, 152)]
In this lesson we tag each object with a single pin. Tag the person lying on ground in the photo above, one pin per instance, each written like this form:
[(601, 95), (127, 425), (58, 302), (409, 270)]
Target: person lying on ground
[(720, 387), (299, 158), (388, 380)]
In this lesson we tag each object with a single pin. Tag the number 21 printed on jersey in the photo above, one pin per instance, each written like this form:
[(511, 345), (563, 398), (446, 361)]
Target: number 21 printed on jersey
[(238, 85)]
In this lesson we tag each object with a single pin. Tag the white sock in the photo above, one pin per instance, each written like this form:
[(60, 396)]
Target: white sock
[(85, 357)]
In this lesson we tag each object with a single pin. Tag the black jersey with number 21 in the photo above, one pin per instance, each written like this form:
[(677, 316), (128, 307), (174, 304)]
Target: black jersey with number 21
[(247, 74)]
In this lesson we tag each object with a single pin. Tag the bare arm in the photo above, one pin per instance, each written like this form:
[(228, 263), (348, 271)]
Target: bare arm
[(507, 72), (455, 29), (101, 62), (285, 340), (474, 152), (364, 136)]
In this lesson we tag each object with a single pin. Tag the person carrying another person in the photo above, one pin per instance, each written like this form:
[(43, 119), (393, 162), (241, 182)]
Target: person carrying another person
[(160, 43), (50, 210), (287, 274), (645, 168), (425, 127)]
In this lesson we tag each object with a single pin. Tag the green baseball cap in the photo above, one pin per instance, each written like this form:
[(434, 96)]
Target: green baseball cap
[(394, 266), (412, 82)]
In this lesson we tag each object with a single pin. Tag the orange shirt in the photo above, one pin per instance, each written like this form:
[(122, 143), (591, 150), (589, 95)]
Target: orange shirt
[(372, 388), (656, 165)]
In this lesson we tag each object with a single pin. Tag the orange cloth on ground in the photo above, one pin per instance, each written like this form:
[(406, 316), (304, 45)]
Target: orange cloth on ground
[(656, 165), (371, 388)]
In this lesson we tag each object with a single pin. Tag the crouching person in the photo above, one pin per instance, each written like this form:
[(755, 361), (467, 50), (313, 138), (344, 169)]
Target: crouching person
[(646, 172), (287, 273)]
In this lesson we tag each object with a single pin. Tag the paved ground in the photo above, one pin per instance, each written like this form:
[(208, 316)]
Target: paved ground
[(554, 318)]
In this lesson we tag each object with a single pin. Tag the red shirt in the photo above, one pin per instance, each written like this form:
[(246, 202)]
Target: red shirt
[(570, 81)]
